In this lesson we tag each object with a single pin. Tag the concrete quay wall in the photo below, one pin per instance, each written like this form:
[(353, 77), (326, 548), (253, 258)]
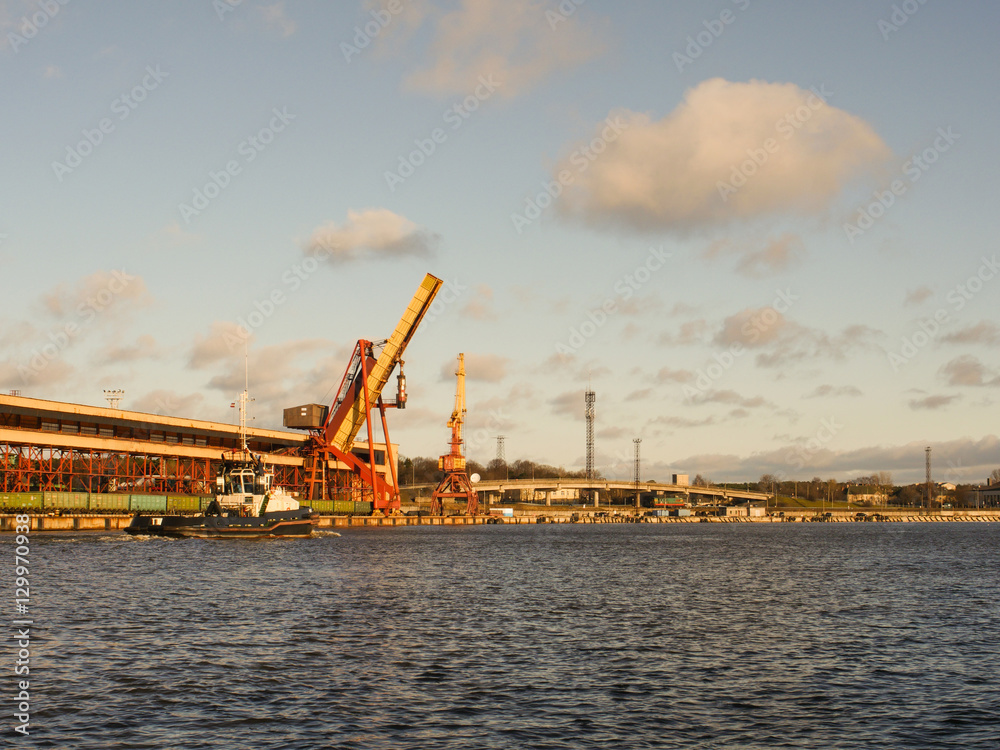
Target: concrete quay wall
[(119, 522)]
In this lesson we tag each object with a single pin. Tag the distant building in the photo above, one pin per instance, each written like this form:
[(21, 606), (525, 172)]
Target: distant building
[(988, 496), (681, 479), (867, 495), (555, 495)]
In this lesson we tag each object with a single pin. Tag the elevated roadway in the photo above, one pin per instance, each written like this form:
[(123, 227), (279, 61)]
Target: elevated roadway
[(495, 489)]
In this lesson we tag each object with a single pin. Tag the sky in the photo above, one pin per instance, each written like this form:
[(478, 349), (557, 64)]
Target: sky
[(762, 232)]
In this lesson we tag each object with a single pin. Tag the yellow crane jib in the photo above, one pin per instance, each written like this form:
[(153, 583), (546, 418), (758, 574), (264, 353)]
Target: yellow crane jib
[(456, 484), (352, 413), (455, 461)]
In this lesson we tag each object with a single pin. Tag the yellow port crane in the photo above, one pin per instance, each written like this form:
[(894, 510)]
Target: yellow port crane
[(456, 482), (333, 429)]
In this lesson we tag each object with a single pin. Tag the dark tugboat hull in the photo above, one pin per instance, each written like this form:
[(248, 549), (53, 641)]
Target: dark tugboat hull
[(289, 524)]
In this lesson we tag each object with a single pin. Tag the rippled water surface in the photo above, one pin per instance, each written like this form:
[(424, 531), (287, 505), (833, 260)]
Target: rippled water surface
[(548, 636)]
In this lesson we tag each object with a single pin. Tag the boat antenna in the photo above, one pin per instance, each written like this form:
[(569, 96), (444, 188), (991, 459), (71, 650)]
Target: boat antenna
[(244, 398)]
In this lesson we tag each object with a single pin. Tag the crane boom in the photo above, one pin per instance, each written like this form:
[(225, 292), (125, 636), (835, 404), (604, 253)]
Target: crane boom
[(458, 416), (348, 415), (456, 483)]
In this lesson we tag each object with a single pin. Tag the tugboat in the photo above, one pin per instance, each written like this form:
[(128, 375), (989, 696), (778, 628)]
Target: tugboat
[(245, 504)]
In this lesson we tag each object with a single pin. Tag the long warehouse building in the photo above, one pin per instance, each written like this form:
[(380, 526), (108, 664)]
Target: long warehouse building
[(55, 446)]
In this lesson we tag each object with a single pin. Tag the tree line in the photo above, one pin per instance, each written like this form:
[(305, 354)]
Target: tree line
[(422, 470)]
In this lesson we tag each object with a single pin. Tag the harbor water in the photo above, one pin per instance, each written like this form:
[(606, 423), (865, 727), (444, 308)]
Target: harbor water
[(541, 636)]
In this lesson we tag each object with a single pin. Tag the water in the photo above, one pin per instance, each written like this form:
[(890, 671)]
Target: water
[(548, 636)]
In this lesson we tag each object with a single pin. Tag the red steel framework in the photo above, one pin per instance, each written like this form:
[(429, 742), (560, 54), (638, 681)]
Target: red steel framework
[(362, 479), (35, 468)]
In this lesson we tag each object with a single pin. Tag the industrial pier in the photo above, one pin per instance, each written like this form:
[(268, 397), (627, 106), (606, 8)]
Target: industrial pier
[(115, 523)]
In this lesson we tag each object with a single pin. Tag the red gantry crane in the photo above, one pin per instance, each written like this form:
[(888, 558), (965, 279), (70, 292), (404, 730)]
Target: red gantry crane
[(456, 482), (333, 430)]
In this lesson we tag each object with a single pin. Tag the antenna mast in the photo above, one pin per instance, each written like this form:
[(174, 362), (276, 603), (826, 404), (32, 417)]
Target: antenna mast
[(245, 398), (927, 463)]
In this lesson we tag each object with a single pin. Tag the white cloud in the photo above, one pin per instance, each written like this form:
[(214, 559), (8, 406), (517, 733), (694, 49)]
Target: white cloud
[(777, 255), (826, 391), (280, 375), (176, 234), (642, 394), (983, 332), (682, 422), (690, 332), (224, 340), (569, 403), (145, 347), (756, 327), (374, 232), (932, 402), (733, 398), (668, 375), (275, 18), (782, 341), (960, 460), (512, 41), (480, 307), (35, 369), (918, 295), (968, 370), (95, 295), (666, 174)]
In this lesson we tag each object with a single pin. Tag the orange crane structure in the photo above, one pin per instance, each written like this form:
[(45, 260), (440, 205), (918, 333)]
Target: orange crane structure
[(456, 482), (333, 429)]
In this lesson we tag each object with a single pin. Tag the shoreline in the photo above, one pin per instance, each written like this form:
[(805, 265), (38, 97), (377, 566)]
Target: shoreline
[(74, 523)]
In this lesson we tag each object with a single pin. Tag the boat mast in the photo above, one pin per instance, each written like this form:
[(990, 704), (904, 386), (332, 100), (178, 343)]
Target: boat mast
[(243, 421), (244, 398)]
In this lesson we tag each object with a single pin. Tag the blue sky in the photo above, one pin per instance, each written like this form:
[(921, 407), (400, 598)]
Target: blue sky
[(762, 231)]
